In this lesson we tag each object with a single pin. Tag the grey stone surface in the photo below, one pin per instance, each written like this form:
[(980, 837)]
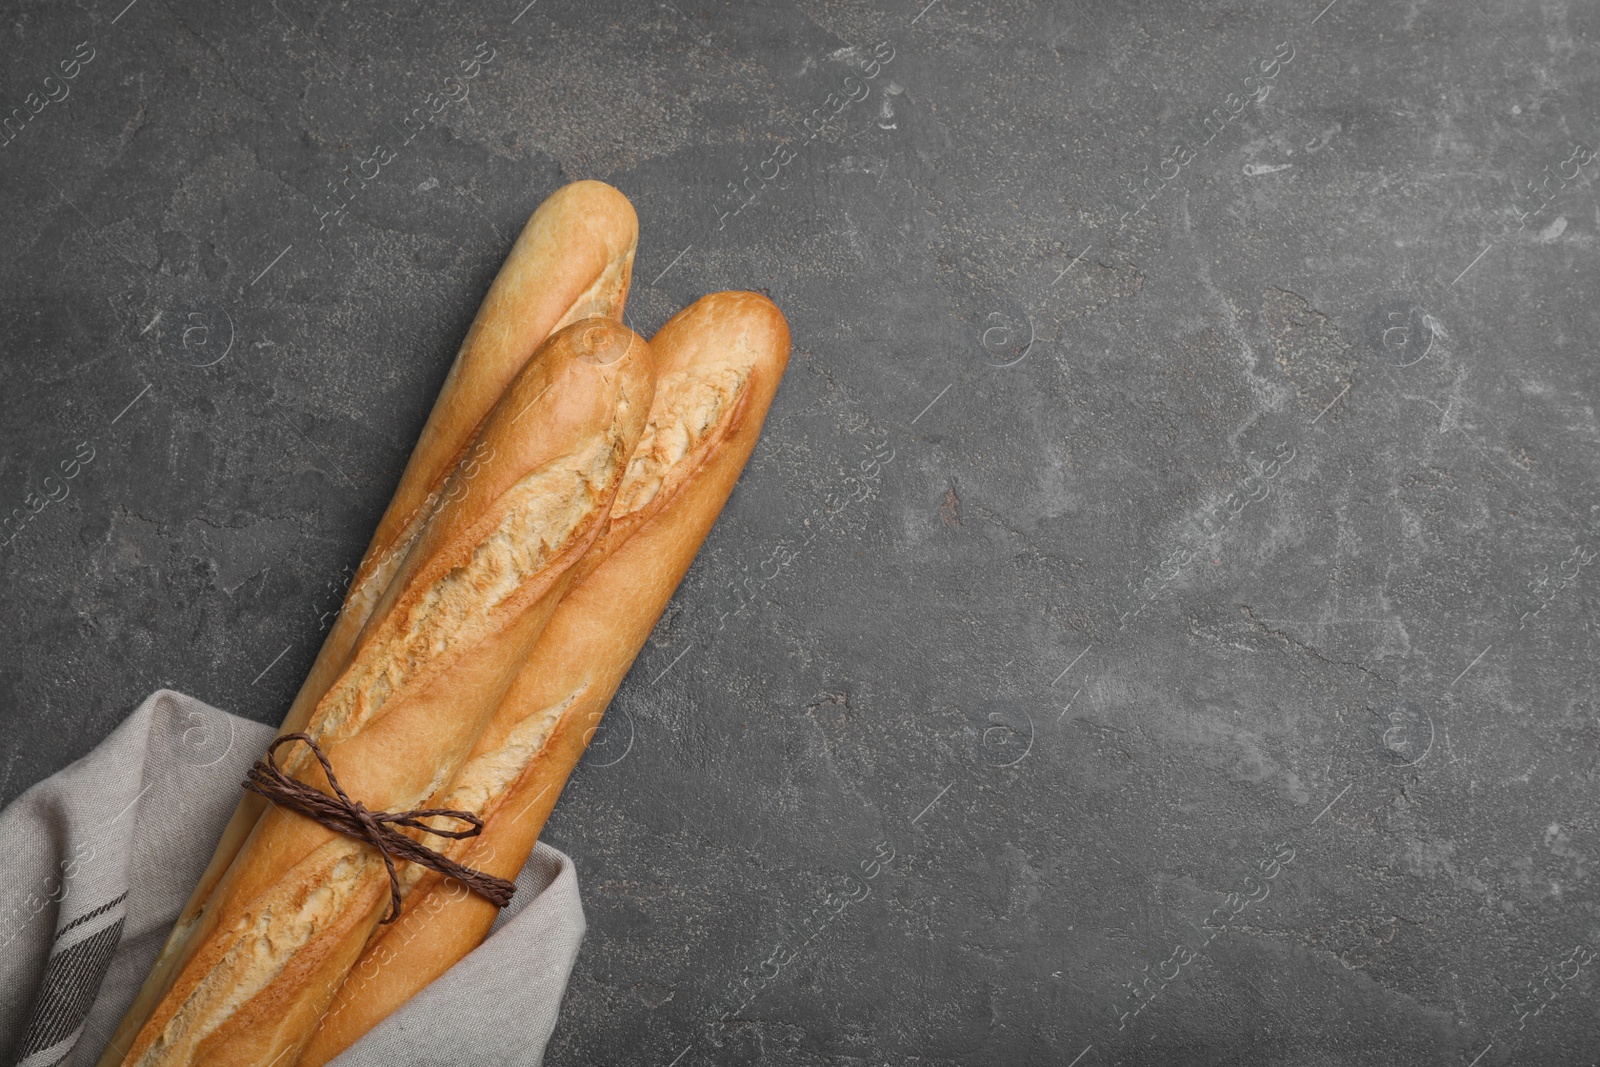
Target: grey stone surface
[(1158, 625)]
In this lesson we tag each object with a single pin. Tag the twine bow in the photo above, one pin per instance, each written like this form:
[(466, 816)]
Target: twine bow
[(347, 816)]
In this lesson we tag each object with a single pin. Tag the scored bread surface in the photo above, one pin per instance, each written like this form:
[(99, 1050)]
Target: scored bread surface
[(544, 511), (719, 363)]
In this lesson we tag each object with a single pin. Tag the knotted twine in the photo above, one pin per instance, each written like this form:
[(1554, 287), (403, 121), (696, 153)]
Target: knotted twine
[(343, 815)]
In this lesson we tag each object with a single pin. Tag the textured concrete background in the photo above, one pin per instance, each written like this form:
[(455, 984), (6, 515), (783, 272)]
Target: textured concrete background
[(1157, 626)]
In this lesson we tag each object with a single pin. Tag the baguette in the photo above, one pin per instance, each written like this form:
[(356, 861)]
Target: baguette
[(290, 915), (719, 363), (574, 258)]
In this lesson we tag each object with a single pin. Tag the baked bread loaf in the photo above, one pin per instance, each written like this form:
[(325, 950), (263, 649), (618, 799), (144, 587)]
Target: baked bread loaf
[(573, 259), (718, 362), (291, 914)]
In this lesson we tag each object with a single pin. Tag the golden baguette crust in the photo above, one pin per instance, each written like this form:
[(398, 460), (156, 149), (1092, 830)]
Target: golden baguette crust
[(292, 912), (573, 259), (678, 479)]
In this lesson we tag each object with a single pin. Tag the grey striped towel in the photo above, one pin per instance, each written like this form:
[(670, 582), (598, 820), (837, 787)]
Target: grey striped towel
[(92, 877)]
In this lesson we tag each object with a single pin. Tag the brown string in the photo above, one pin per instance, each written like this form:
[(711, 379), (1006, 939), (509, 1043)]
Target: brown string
[(350, 817)]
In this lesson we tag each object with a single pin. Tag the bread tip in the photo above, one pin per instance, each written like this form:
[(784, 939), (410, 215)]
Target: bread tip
[(601, 197)]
